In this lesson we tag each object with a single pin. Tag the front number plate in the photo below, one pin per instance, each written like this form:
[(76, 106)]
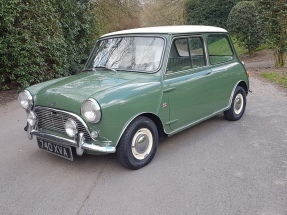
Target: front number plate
[(62, 151)]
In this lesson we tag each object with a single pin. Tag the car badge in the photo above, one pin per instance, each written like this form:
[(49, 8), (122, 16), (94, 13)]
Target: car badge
[(52, 103), (54, 113)]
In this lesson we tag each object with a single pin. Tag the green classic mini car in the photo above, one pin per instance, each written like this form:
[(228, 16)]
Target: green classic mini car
[(137, 87)]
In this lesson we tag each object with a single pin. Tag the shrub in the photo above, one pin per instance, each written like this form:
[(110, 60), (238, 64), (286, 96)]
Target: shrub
[(244, 23), (206, 12), (43, 39), (79, 26), (32, 48)]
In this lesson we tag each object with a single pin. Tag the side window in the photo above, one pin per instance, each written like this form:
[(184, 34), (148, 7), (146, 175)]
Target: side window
[(182, 47), (219, 49), (186, 53), (196, 52), (179, 58)]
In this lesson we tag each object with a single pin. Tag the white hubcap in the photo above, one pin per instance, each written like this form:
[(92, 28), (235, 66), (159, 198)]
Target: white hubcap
[(238, 103), (142, 143)]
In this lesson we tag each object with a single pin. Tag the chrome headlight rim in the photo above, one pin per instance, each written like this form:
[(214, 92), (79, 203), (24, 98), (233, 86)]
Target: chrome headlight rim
[(29, 99), (96, 111)]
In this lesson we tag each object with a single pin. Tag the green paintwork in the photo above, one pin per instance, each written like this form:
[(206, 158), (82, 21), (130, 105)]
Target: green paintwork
[(179, 99)]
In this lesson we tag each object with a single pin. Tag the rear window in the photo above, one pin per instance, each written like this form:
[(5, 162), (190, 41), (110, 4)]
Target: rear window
[(219, 49)]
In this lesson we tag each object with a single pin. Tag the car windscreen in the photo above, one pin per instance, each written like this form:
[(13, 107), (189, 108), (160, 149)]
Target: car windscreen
[(133, 53)]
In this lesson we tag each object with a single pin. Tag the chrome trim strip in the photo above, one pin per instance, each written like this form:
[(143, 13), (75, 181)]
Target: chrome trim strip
[(196, 122), (73, 143)]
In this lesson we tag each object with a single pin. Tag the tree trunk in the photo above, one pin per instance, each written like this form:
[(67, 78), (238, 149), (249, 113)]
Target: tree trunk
[(280, 58)]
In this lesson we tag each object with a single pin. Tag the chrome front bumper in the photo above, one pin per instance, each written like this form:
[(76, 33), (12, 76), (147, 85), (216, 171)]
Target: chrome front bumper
[(79, 142)]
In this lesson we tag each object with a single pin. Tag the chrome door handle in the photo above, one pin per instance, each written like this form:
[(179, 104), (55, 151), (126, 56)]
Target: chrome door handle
[(168, 89), (209, 73)]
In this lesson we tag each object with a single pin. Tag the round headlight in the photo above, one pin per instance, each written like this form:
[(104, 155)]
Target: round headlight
[(71, 127), (91, 111), (26, 100), (31, 118)]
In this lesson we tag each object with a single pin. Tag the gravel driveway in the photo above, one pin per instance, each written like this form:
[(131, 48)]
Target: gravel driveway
[(214, 168)]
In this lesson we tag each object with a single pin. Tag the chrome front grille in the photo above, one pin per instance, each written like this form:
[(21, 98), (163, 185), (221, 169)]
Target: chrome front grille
[(54, 120)]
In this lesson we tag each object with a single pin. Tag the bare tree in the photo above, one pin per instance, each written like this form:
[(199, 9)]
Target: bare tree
[(113, 15), (162, 12), (116, 15)]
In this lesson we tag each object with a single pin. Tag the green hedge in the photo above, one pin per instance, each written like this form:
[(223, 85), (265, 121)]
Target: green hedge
[(35, 44)]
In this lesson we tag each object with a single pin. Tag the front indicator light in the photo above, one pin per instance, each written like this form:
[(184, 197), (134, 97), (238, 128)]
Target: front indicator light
[(248, 74), (94, 134)]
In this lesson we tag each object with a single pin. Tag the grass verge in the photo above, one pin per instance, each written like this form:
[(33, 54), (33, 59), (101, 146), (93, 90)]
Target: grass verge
[(279, 78)]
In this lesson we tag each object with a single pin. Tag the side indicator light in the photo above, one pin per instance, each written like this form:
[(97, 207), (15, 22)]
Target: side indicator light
[(248, 74)]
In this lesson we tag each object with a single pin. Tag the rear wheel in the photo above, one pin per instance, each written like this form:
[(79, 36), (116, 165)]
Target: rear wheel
[(236, 111), (138, 144)]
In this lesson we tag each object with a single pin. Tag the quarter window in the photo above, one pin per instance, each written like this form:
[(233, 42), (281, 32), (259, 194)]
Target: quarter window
[(182, 47), (219, 49)]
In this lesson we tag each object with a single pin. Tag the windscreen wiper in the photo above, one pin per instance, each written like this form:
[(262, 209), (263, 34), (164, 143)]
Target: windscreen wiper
[(89, 70), (105, 67)]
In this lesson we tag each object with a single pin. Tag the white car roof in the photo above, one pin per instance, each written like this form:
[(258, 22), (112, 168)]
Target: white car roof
[(174, 29)]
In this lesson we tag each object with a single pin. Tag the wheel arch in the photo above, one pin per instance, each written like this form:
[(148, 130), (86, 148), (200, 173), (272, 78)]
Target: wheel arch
[(244, 86), (241, 84), (157, 121)]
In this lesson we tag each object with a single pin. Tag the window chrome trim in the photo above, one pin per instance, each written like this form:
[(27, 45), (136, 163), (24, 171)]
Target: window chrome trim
[(226, 35), (187, 37)]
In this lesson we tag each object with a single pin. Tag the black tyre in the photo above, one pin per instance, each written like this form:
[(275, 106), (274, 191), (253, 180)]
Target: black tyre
[(138, 144), (237, 108)]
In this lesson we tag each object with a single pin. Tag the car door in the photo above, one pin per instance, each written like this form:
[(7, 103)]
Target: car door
[(224, 68), (188, 83)]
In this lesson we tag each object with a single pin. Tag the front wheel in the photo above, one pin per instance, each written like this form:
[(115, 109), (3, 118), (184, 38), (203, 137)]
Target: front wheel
[(138, 144), (236, 111)]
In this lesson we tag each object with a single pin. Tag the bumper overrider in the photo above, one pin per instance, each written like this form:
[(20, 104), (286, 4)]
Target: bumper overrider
[(53, 119)]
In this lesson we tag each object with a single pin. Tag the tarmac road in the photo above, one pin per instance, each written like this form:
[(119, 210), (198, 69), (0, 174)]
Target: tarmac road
[(214, 168)]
